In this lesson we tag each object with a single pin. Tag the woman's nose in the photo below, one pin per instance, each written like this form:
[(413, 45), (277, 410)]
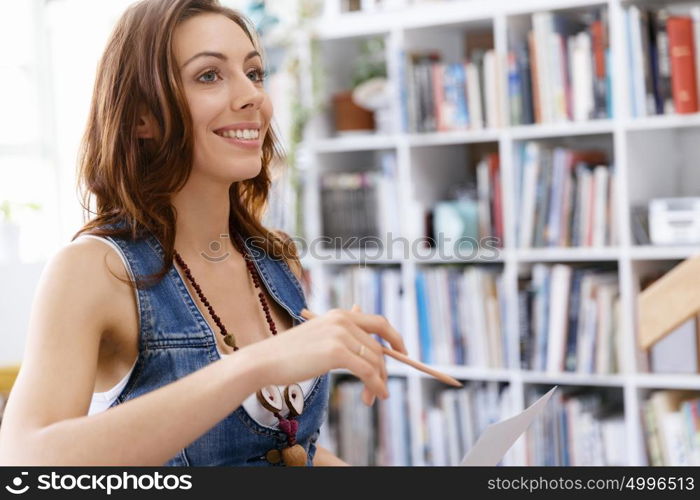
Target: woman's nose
[(247, 95)]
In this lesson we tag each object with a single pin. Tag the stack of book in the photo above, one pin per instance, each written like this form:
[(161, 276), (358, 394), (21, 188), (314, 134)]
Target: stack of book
[(376, 290), (672, 427), (663, 60), (370, 435), (457, 418), (490, 198), (363, 204), (565, 197), (442, 96), (577, 430), (569, 320), (561, 71), (476, 212), (462, 316)]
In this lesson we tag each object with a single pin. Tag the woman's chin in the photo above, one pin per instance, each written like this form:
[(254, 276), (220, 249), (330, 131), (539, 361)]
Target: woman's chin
[(229, 171), (242, 172)]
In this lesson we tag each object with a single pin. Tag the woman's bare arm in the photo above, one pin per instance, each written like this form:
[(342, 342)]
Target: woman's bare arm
[(325, 458), (46, 422)]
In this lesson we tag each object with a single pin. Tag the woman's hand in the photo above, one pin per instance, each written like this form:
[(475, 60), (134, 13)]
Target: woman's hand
[(336, 339), (367, 397)]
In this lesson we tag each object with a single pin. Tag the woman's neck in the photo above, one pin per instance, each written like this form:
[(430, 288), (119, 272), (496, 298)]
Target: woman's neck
[(202, 226)]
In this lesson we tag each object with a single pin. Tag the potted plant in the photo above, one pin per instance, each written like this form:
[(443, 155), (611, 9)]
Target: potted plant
[(9, 229), (355, 108)]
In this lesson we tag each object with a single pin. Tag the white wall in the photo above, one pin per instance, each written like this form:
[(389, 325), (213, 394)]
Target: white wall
[(17, 288)]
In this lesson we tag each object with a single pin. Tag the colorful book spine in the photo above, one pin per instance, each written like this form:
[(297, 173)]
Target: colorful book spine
[(682, 50)]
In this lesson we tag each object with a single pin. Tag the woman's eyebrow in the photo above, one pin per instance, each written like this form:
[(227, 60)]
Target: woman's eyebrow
[(219, 55)]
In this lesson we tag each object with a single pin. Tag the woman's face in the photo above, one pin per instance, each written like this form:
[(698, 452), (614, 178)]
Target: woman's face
[(222, 76)]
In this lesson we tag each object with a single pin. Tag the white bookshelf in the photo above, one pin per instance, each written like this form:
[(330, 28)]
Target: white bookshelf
[(637, 148)]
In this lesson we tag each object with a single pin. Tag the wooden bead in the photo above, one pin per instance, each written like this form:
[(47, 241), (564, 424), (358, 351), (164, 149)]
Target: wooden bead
[(230, 340), (273, 456), (271, 398), (294, 397), (294, 456)]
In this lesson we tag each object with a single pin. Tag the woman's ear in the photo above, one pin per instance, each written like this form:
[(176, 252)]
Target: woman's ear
[(146, 124)]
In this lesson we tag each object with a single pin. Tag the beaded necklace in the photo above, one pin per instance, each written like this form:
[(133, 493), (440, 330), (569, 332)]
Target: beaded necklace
[(270, 397)]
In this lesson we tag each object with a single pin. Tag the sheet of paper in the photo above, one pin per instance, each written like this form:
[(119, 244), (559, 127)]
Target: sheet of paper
[(497, 439)]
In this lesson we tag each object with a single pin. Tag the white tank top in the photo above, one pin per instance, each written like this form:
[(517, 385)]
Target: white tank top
[(103, 400)]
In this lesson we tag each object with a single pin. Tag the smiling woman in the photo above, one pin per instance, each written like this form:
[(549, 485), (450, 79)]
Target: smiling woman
[(223, 85), (158, 351)]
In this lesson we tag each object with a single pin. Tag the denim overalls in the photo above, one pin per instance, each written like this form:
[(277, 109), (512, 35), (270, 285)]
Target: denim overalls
[(175, 340)]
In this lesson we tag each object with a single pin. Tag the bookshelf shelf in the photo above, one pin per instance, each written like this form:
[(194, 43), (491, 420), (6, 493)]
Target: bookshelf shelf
[(481, 258), (359, 142), (589, 254), (352, 256), (650, 252), (453, 137), (567, 129), (652, 157), (354, 24), (472, 373), (366, 142), (539, 5), (667, 381), (577, 379), (663, 122), (334, 25)]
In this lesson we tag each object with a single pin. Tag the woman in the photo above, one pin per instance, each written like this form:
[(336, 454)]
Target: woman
[(177, 155)]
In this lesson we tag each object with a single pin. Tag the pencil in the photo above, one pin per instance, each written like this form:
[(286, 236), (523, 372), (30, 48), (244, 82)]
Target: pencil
[(443, 377)]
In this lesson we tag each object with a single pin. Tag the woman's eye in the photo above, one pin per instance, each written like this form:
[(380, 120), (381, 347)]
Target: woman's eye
[(257, 75), (209, 77)]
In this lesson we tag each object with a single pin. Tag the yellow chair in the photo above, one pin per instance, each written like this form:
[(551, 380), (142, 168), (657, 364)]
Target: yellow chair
[(8, 374)]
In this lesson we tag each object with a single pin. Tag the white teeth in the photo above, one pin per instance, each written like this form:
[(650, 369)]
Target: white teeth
[(249, 134)]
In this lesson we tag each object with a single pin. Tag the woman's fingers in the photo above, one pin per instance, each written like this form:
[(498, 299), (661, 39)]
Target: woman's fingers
[(370, 323), (371, 350), (359, 344), (374, 323), (365, 368), (366, 358), (378, 349)]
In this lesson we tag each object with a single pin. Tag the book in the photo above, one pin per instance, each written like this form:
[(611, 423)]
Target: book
[(558, 317), (682, 50), (422, 304), (580, 427), (474, 93), (362, 435), (560, 202), (667, 421), (636, 62), (663, 63)]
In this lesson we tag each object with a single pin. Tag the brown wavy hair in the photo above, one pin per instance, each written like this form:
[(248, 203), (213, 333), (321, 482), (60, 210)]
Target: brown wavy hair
[(131, 179)]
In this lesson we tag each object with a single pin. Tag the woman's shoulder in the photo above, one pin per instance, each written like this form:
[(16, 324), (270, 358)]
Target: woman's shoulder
[(76, 288), (90, 259)]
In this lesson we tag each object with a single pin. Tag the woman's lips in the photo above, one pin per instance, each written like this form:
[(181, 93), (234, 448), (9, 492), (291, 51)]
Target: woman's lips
[(243, 143)]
